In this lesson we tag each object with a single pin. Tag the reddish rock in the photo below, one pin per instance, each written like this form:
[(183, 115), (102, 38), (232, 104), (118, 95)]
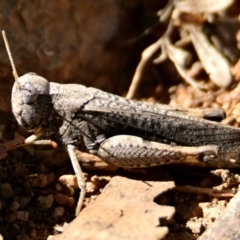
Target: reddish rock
[(64, 200)]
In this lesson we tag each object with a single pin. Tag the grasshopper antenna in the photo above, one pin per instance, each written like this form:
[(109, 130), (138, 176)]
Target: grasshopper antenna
[(15, 75)]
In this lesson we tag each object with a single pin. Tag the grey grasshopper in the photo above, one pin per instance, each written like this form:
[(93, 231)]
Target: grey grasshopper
[(122, 132)]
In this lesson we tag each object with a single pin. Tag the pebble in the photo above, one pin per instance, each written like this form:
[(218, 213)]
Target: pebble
[(45, 202), (38, 180), (15, 206), (6, 191), (69, 181), (41, 180), (58, 212), (64, 200), (91, 187), (58, 187), (22, 215)]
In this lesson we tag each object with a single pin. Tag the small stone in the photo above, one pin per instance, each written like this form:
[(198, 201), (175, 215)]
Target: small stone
[(10, 217), (22, 215), (58, 212), (15, 206), (58, 187), (64, 200), (59, 228), (6, 191), (69, 181), (38, 180), (91, 187), (45, 202)]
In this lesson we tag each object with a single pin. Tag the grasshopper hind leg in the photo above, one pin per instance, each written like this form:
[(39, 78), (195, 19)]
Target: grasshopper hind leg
[(133, 152)]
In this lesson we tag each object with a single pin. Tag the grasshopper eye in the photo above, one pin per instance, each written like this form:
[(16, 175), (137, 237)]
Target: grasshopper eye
[(31, 86), (29, 93)]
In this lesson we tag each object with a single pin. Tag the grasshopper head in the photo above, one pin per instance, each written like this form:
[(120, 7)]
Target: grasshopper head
[(29, 95)]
